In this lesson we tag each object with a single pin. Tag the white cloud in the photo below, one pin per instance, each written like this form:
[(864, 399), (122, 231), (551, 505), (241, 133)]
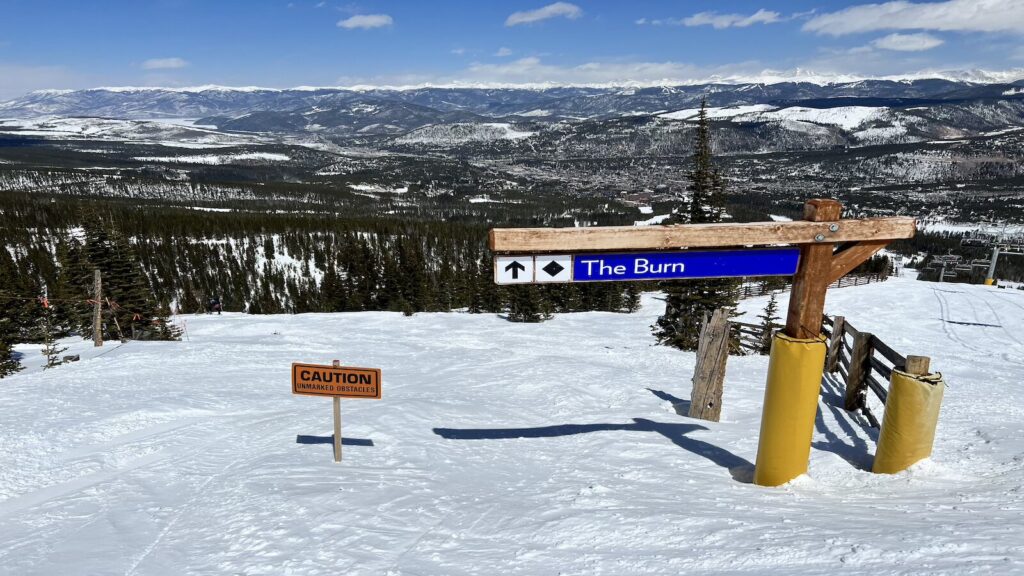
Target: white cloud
[(720, 21), (164, 63), (458, 51), (532, 70), (366, 21), (908, 42), (951, 15), (502, 52), (563, 9)]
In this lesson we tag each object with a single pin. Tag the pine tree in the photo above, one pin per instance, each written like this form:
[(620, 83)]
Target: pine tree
[(47, 335), (8, 362), (769, 320), (631, 297), (687, 302), (132, 307), (526, 304)]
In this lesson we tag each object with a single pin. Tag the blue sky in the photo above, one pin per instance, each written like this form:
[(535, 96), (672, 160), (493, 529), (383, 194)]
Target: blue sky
[(73, 44)]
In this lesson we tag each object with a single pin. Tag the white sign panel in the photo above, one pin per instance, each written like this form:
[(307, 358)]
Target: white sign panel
[(513, 270), (556, 268)]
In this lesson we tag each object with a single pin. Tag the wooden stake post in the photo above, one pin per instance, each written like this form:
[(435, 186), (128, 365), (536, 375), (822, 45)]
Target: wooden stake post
[(97, 317), (820, 262), (337, 420), (338, 382)]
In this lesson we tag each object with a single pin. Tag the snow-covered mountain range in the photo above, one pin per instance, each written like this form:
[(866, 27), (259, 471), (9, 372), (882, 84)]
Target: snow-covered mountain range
[(553, 102)]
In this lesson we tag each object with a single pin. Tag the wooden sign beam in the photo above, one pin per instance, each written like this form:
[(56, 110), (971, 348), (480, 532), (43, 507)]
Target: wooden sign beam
[(610, 238), (807, 298), (846, 258)]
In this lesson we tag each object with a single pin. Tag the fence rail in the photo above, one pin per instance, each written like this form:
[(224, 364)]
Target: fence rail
[(751, 338), (864, 362), (755, 289)]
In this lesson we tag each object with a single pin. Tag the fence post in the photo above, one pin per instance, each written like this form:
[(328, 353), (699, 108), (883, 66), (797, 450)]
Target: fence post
[(835, 345), (911, 416), (860, 368), (97, 315), (917, 365), (709, 373)]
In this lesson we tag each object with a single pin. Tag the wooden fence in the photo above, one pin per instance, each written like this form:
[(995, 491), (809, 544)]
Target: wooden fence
[(754, 289), (750, 338), (865, 363)]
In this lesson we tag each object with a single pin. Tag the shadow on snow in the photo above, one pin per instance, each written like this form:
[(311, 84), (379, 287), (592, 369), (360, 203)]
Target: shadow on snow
[(303, 439), (857, 452), (740, 469)]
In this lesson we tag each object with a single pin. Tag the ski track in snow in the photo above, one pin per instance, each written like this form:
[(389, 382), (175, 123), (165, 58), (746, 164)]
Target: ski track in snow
[(502, 448)]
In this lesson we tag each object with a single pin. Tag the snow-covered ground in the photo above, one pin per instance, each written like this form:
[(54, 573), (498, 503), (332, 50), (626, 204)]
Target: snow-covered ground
[(459, 133), (217, 158), (501, 448), (176, 133)]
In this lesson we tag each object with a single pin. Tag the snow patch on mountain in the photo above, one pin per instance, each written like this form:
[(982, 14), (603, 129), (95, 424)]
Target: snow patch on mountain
[(718, 113), (215, 159), (181, 133), (377, 189), (459, 133), (845, 117)]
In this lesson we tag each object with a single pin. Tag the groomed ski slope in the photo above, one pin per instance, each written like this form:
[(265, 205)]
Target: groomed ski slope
[(502, 448)]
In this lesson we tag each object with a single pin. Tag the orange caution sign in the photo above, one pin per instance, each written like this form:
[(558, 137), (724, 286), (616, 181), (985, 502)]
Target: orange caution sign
[(336, 381)]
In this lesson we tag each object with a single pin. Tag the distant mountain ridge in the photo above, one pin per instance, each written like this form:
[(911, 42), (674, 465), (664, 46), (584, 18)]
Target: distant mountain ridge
[(486, 104)]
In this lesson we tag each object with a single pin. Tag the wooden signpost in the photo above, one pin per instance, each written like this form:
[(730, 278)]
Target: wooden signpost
[(536, 255), (338, 382)]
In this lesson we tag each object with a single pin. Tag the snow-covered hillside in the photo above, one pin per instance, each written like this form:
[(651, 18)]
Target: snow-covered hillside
[(501, 448), (181, 134), (452, 134)]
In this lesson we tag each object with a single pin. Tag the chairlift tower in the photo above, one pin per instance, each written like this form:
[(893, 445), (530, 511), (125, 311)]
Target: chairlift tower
[(1002, 244)]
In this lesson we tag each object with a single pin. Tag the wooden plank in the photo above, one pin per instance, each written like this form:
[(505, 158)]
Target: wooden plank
[(870, 416), (835, 345), (745, 325), (337, 420), (888, 353), (877, 388), (609, 238), (883, 370), (709, 373), (807, 297), (842, 372), (849, 257), (337, 429), (850, 329), (860, 370)]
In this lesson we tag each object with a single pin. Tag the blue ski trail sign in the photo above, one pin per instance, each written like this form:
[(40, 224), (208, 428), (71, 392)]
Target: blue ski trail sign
[(632, 266)]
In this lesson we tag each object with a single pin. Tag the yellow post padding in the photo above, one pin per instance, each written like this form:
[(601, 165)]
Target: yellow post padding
[(908, 427), (989, 281), (790, 404)]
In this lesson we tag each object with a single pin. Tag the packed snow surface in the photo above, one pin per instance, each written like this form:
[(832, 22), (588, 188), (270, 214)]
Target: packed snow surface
[(501, 448)]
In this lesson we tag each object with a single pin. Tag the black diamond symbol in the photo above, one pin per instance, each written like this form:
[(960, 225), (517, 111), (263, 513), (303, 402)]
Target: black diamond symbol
[(553, 268)]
